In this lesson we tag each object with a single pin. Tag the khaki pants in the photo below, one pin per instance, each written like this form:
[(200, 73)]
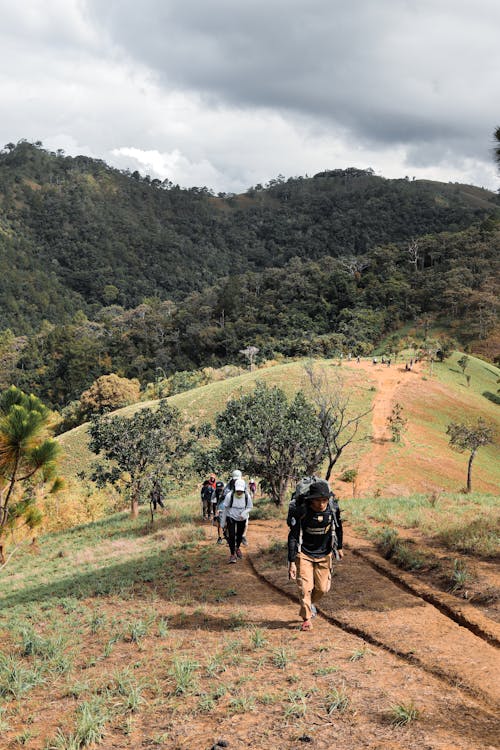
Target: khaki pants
[(314, 578)]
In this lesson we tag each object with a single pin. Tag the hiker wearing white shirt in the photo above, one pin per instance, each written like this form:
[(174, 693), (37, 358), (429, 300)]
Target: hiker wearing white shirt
[(234, 516)]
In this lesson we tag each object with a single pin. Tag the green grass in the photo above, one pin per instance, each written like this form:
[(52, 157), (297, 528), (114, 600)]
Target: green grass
[(465, 523)]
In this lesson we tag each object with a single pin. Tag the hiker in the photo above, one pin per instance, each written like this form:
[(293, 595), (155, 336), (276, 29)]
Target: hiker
[(230, 484), (206, 493), (315, 535), (234, 517), (212, 480), (155, 496), (217, 502), (230, 488), (252, 486)]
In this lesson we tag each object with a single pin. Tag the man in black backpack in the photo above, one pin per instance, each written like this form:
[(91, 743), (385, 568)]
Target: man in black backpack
[(315, 534)]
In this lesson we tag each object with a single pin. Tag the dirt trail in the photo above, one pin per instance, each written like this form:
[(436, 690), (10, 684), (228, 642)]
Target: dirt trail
[(365, 601), (368, 669), (387, 381)]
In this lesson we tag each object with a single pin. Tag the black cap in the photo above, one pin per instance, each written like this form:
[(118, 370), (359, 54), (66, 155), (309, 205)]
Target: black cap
[(319, 489)]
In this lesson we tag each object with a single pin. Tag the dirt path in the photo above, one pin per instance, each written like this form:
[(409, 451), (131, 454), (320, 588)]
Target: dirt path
[(387, 381), (366, 602), (376, 644)]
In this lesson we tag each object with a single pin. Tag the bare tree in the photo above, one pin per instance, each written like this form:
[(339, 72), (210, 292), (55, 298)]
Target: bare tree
[(250, 353), (338, 420), (414, 254)]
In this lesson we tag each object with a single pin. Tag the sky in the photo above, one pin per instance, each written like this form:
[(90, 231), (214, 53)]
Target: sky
[(230, 93)]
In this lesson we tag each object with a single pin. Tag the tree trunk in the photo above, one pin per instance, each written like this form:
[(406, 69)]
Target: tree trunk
[(331, 463), (469, 471), (134, 506)]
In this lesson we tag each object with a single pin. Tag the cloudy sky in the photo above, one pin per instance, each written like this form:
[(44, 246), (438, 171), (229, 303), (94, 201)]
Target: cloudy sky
[(229, 93)]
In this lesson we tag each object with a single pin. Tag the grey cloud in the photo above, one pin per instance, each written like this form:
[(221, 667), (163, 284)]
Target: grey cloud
[(388, 71)]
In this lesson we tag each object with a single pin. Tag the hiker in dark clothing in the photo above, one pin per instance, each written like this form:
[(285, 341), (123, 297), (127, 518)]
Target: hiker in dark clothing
[(207, 492), (155, 497), (315, 534), (217, 501)]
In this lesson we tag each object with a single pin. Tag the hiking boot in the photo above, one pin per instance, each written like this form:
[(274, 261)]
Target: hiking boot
[(244, 541), (220, 540), (239, 553), (314, 611), (232, 559)]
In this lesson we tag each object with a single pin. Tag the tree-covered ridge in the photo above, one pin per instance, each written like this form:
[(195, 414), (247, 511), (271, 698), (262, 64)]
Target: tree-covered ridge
[(307, 307), (76, 233)]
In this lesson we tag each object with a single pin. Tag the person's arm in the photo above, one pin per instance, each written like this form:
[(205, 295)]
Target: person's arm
[(223, 511), (340, 532), (293, 542)]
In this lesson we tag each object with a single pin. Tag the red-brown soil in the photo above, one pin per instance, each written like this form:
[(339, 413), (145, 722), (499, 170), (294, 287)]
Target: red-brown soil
[(376, 642)]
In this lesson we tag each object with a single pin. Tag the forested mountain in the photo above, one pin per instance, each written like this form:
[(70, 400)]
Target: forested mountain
[(104, 271), (75, 233)]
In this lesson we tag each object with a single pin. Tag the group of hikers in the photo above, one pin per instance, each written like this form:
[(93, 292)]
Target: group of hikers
[(228, 507), (315, 531)]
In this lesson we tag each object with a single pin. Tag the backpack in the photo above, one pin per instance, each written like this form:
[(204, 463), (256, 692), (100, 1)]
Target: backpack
[(232, 498), (298, 499)]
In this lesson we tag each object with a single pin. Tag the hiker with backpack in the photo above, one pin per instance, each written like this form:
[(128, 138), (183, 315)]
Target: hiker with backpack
[(230, 488), (217, 502), (234, 517), (315, 536), (207, 492), (156, 496), (252, 486)]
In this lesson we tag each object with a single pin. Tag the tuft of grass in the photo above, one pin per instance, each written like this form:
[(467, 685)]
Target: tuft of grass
[(129, 692), (242, 704), (163, 627), (399, 552), (403, 713), (183, 673), (257, 638), (323, 671), (460, 576), (337, 700), (359, 653), (206, 704), (138, 630), (297, 704), (91, 721), (16, 679), (281, 658), (34, 645)]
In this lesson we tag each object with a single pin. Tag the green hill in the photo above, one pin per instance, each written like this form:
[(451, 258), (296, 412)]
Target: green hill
[(75, 233), (423, 462)]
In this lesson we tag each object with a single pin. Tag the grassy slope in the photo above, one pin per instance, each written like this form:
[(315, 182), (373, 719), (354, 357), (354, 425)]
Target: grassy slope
[(425, 462), (204, 403)]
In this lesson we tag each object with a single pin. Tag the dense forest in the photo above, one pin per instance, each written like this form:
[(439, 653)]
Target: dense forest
[(106, 271)]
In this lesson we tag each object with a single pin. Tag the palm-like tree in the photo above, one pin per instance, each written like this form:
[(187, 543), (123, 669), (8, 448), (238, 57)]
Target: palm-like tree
[(25, 450), (497, 147)]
